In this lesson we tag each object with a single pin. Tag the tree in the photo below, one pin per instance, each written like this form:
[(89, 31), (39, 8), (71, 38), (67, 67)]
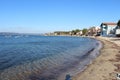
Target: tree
[(84, 31), (75, 31), (118, 23)]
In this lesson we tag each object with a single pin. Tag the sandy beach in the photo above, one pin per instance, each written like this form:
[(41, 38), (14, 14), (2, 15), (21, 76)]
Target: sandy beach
[(106, 65)]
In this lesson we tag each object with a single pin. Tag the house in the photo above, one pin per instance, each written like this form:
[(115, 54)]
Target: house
[(80, 33), (93, 31), (108, 29), (97, 31)]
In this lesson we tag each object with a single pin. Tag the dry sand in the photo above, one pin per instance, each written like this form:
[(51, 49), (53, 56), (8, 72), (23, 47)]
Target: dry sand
[(106, 65)]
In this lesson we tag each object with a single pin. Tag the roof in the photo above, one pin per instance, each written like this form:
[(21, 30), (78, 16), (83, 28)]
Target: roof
[(109, 23)]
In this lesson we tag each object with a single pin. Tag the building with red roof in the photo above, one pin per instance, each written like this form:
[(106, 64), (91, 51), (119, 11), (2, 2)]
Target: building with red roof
[(108, 28)]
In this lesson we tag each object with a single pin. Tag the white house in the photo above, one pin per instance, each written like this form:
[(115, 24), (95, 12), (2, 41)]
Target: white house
[(108, 29)]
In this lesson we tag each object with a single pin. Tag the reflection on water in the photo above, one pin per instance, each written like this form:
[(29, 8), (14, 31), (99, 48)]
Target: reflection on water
[(39, 57)]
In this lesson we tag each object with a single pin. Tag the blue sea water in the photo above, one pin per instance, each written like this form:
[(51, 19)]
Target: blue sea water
[(40, 57)]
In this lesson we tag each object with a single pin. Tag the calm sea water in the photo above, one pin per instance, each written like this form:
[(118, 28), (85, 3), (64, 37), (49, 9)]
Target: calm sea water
[(40, 57)]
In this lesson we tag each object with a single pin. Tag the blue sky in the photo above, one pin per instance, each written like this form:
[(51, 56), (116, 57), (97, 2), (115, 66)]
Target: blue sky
[(41, 16)]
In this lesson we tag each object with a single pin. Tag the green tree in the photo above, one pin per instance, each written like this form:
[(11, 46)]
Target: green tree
[(118, 23), (84, 31), (75, 31)]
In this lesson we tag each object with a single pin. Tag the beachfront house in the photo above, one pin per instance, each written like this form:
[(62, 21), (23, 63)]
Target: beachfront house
[(98, 31), (108, 29), (93, 31)]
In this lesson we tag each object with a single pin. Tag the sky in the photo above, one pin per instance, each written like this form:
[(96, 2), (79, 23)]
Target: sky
[(42, 16)]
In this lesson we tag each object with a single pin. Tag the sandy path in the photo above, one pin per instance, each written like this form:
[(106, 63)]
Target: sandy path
[(106, 66)]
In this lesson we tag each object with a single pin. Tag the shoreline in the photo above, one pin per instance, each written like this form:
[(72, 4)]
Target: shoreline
[(87, 59), (106, 65)]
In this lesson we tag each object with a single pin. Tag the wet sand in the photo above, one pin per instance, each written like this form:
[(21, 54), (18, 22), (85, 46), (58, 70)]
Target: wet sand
[(106, 65)]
